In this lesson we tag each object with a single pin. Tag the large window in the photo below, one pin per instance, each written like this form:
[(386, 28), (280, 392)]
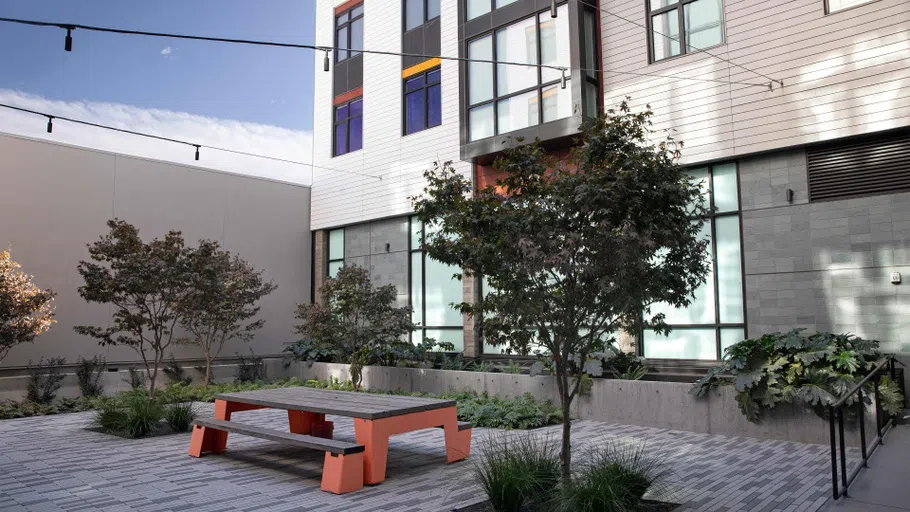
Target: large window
[(336, 251), (511, 97), (349, 33), (418, 12), (700, 23), (433, 290), (716, 317), (475, 8), (348, 134), (422, 101), (840, 5)]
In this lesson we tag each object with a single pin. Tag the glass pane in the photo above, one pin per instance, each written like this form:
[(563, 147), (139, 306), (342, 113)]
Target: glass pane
[(334, 267), (417, 287), (480, 122), (665, 34), (726, 197), (357, 11), (657, 4), (503, 3), (415, 233), (516, 43), (517, 112), (414, 111), (681, 344), (356, 36), (704, 24), (700, 177), (341, 20), (336, 244), (440, 291), (356, 134), (341, 141), (557, 103), (342, 42), (453, 336), (413, 14), (554, 42), (433, 76), (838, 5), (434, 105), (477, 7), (729, 269), (480, 74), (432, 9), (730, 337), (414, 83), (341, 113), (590, 99), (590, 41), (356, 108), (701, 309)]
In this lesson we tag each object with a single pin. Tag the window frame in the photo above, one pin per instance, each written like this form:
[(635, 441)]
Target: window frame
[(426, 100), (404, 15), (711, 217), (328, 251), (346, 25), (829, 11), (681, 19), (421, 329), (492, 9), (539, 87), (347, 123)]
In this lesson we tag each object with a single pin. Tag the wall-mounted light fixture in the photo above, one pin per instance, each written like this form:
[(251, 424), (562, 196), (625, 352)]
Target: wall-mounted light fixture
[(789, 195)]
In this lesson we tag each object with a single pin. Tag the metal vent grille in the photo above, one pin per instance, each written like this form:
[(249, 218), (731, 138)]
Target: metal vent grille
[(861, 168)]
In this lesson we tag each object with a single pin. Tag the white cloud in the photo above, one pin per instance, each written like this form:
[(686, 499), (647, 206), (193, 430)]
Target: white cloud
[(166, 51), (255, 138)]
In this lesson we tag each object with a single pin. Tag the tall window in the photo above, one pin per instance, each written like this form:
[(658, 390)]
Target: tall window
[(433, 289), (418, 12), (476, 8), (336, 251), (840, 5), (422, 101), (349, 33), (700, 23), (348, 127), (716, 317), (511, 97)]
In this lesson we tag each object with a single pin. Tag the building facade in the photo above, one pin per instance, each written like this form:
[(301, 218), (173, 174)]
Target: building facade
[(794, 114)]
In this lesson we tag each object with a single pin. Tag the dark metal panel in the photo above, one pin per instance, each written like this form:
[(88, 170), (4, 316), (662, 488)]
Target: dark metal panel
[(432, 37), (412, 41), (867, 166), (554, 135)]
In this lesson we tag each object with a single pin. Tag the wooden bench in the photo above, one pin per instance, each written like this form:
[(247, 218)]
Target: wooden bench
[(343, 468)]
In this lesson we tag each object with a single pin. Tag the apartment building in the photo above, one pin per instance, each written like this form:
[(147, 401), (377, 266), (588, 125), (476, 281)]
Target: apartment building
[(794, 113)]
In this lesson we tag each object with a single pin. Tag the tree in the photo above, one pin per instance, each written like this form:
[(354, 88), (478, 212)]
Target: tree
[(573, 250), (220, 301), (358, 322), (144, 283), (25, 310)]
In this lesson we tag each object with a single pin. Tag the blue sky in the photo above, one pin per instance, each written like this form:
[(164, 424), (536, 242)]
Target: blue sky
[(260, 98)]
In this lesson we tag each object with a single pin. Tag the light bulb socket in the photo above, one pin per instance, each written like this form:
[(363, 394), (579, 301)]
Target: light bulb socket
[(552, 8), (325, 62), (68, 44), (50, 124), (562, 81), (197, 153)]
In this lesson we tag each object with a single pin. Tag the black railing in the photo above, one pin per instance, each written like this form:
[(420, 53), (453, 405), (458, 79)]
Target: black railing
[(883, 423)]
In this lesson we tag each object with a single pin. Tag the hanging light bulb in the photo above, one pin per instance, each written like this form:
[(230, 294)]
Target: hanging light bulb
[(552, 8), (197, 153), (50, 124), (325, 61), (562, 82), (68, 44)]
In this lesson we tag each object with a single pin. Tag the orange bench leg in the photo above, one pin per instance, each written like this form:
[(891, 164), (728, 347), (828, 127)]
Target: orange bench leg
[(202, 441), (458, 444), (342, 473), (301, 422)]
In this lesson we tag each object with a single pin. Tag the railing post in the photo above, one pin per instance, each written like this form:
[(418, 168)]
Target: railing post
[(878, 408), (862, 426), (843, 449), (833, 452)]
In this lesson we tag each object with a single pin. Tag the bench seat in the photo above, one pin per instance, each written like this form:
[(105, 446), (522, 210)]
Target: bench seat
[(343, 468)]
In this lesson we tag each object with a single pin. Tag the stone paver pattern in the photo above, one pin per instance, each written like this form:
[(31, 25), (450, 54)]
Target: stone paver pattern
[(54, 463)]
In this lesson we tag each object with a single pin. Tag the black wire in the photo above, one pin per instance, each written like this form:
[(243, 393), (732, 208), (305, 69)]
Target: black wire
[(627, 20), (676, 77)]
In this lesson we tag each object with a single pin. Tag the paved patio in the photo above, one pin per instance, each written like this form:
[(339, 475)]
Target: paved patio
[(54, 464)]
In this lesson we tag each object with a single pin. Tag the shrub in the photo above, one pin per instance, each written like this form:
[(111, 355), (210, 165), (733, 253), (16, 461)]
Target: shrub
[(89, 372), (517, 470), (175, 372), (784, 368), (180, 416), (614, 478), (44, 380), (130, 415), (627, 366), (249, 369), (521, 412)]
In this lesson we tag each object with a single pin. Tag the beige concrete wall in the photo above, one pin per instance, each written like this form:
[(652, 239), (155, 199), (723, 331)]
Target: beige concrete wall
[(54, 199)]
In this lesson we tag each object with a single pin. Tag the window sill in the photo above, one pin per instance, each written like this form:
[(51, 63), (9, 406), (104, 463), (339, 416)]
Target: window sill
[(348, 153), (405, 135), (696, 52), (845, 9)]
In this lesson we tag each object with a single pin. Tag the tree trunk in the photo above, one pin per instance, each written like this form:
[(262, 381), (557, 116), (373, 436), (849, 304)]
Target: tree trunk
[(565, 455), (152, 376), (208, 371)]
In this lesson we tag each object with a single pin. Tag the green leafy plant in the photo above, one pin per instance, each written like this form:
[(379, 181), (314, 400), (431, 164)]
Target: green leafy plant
[(179, 416), (131, 415), (516, 471), (613, 478), (175, 372), (25, 310), (136, 379), (44, 380), (482, 366), (778, 368), (512, 368), (89, 373), (522, 412), (627, 366), (250, 369), (890, 395), (456, 363)]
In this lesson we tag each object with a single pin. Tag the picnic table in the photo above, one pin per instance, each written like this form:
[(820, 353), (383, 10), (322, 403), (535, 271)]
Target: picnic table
[(347, 465)]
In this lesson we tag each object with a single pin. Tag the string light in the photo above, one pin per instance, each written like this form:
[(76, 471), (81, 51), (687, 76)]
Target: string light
[(325, 61), (50, 124), (68, 43), (562, 81), (197, 152), (552, 8)]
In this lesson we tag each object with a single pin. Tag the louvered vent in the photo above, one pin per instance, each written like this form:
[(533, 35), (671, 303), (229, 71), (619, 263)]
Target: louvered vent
[(850, 169)]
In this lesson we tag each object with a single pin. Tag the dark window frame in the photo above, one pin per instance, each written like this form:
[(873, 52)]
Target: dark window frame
[(404, 15), (349, 53), (347, 123), (829, 11), (422, 328), (492, 8), (541, 85), (680, 18), (426, 100), (328, 250)]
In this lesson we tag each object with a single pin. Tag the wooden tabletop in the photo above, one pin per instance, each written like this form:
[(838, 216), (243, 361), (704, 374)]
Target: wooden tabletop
[(341, 403)]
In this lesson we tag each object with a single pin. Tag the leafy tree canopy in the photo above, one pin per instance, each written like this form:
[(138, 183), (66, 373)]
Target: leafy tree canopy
[(25, 310)]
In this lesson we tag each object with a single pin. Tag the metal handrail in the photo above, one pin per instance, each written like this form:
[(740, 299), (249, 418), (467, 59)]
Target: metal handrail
[(837, 410)]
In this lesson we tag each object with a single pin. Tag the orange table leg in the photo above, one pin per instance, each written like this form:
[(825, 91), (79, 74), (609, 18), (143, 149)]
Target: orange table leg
[(301, 422), (342, 473)]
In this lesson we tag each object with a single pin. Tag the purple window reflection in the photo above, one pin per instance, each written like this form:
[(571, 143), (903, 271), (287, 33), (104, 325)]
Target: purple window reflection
[(341, 143), (355, 127), (356, 108), (433, 76), (414, 83), (415, 112), (434, 106), (341, 113)]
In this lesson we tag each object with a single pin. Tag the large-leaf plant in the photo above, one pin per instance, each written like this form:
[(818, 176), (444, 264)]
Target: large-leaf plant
[(815, 369)]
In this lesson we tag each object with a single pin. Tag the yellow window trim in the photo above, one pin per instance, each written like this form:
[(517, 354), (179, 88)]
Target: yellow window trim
[(419, 68)]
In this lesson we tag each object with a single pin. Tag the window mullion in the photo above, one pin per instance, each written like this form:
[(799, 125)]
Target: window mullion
[(683, 47)]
